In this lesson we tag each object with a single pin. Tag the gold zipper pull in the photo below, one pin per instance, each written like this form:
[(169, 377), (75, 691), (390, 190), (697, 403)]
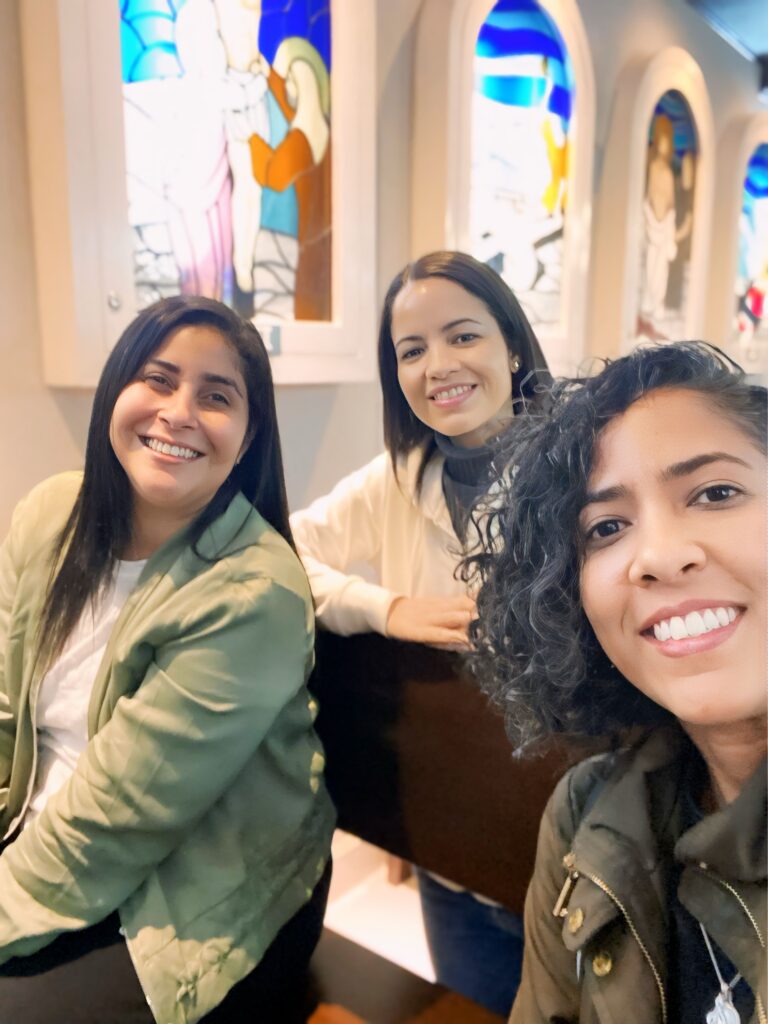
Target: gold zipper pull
[(560, 908)]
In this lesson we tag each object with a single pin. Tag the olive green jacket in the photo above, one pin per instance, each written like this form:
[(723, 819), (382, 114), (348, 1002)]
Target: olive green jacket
[(596, 912), (198, 808)]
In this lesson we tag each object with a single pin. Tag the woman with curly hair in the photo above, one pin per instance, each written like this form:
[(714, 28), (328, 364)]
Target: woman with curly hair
[(626, 596)]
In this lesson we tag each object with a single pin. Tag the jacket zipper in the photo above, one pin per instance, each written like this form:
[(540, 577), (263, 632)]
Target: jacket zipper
[(761, 1016), (562, 902)]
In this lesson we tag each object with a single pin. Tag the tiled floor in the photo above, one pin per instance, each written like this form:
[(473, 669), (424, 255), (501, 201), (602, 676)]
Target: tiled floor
[(366, 908)]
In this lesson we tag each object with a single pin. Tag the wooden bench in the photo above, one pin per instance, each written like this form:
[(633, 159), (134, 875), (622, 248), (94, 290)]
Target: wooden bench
[(419, 764)]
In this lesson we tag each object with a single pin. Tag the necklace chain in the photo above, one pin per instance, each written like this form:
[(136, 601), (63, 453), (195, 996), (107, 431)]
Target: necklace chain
[(724, 985)]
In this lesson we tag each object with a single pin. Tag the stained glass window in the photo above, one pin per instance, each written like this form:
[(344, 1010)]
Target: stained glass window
[(667, 219), (521, 131), (228, 148), (752, 275)]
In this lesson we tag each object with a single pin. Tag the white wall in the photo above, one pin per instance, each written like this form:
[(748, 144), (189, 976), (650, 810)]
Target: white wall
[(40, 432), (327, 430)]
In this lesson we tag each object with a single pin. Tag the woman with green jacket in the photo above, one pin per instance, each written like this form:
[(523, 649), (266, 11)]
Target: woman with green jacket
[(164, 826), (627, 597)]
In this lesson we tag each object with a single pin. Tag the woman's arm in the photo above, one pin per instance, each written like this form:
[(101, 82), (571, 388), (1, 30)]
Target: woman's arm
[(337, 531), (208, 699)]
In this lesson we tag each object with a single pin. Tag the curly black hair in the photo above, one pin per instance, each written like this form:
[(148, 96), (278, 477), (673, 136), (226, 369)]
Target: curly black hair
[(535, 653)]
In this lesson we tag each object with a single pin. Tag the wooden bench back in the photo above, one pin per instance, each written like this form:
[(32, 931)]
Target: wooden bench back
[(419, 764)]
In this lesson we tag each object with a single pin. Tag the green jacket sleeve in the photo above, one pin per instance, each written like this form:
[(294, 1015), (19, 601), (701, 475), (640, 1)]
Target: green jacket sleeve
[(167, 754), (549, 992), (9, 575)]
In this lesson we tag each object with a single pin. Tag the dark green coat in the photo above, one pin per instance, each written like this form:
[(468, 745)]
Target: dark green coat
[(600, 865)]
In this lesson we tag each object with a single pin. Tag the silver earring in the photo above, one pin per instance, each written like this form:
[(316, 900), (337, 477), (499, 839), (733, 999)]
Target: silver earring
[(515, 364)]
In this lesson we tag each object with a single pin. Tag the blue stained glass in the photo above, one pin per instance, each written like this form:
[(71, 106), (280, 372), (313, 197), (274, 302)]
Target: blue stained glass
[(521, 28), (674, 106), (756, 181), (147, 39), (561, 102), (279, 210), (514, 90), (281, 19), (495, 42)]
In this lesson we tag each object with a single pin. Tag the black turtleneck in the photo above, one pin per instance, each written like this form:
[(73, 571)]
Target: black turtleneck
[(466, 473)]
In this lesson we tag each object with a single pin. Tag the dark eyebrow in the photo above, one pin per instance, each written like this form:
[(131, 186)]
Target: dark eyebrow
[(229, 382), (679, 469), (673, 472), (209, 378), (443, 330), (607, 494)]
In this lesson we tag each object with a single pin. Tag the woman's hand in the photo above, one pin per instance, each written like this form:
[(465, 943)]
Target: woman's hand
[(439, 621)]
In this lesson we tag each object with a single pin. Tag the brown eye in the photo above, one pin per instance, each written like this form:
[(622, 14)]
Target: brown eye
[(156, 381), (606, 529), (716, 494)]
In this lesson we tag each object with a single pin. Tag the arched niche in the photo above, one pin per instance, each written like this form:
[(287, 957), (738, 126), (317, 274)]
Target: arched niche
[(621, 221), (734, 275), (445, 89), (79, 69)]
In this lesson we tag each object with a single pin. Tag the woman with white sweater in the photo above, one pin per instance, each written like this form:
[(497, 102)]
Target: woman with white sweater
[(457, 360)]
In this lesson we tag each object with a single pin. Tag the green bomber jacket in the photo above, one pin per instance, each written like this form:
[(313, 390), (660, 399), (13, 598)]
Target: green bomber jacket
[(198, 809), (596, 914)]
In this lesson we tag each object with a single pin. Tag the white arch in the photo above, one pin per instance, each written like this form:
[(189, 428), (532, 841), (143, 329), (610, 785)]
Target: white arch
[(672, 69), (743, 138), (444, 85)]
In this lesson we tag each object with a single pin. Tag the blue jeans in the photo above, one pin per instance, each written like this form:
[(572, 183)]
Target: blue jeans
[(477, 949)]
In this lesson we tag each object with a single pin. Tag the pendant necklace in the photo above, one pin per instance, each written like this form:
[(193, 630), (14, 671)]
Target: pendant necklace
[(723, 1012)]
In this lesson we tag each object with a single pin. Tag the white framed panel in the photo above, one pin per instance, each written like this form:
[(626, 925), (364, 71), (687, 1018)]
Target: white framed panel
[(620, 230), (443, 134), (83, 245), (742, 139)]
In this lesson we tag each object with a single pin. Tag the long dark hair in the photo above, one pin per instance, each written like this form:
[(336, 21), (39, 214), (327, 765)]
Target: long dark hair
[(98, 529), (404, 431), (536, 654)]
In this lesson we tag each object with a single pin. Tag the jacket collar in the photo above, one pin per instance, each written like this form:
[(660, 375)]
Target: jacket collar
[(646, 788), (733, 841), (218, 539), (430, 500), (617, 845)]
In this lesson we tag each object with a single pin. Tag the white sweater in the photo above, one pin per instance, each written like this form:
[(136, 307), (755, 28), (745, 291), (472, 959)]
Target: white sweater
[(374, 517)]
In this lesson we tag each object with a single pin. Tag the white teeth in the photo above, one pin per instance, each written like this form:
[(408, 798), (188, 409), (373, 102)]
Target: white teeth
[(693, 624), (677, 628), (452, 392), (171, 449), (661, 631), (710, 619)]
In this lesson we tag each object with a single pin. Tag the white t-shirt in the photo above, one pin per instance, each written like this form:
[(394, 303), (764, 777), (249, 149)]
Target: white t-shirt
[(65, 692)]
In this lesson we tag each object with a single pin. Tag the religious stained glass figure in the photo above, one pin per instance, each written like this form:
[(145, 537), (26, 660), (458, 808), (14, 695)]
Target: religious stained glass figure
[(751, 319), (521, 135), (228, 148), (667, 217)]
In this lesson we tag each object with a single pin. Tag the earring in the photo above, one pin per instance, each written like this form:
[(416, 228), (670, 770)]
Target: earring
[(515, 364)]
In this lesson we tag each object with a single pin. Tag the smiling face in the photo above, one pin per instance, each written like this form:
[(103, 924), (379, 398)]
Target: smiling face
[(674, 570), (453, 364), (178, 429)]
